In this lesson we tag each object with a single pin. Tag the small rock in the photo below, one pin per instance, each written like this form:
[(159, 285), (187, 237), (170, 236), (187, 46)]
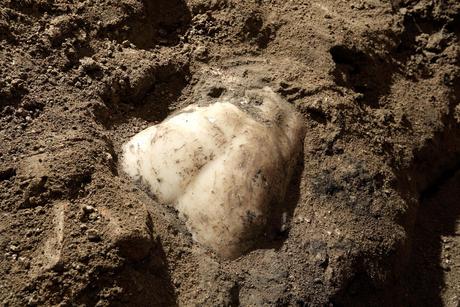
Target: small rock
[(87, 64), (88, 209), (40, 210), (93, 216), (24, 262), (201, 53), (108, 156), (14, 248), (317, 281), (17, 83), (21, 112), (32, 301), (322, 259), (93, 235), (284, 222), (435, 41), (445, 239), (216, 91)]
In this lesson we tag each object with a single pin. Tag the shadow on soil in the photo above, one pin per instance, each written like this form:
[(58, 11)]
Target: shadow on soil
[(158, 22), (154, 105), (437, 217), (141, 283)]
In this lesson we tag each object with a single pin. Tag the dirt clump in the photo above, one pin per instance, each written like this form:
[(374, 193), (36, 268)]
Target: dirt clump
[(376, 82)]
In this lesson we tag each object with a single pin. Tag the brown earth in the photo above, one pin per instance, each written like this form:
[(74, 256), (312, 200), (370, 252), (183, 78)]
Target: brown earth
[(374, 210)]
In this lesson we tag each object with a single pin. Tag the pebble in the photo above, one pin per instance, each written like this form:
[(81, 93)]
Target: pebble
[(14, 248), (93, 235), (93, 216), (108, 156), (201, 53), (20, 111), (88, 64), (88, 209), (32, 301)]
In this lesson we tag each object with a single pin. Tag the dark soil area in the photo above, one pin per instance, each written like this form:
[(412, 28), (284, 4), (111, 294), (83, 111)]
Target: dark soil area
[(375, 213), (435, 259)]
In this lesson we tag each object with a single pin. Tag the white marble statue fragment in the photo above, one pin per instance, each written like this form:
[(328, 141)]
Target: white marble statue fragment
[(223, 166)]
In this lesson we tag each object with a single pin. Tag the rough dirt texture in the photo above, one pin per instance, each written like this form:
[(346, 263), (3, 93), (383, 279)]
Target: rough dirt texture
[(374, 206)]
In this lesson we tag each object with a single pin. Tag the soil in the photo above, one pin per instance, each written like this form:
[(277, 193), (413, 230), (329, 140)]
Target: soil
[(374, 214)]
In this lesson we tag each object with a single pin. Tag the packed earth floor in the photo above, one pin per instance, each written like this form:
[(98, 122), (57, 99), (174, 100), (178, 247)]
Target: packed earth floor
[(373, 209)]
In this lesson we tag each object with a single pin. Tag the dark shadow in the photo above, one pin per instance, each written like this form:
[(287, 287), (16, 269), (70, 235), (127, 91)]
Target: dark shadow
[(160, 22), (154, 105), (365, 73), (146, 282), (432, 162), (369, 73), (281, 213), (32, 7), (433, 209), (6, 32), (7, 173), (10, 97), (437, 217), (254, 30)]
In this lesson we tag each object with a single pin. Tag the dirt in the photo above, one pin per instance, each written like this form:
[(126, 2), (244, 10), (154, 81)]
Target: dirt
[(437, 247), (374, 213)]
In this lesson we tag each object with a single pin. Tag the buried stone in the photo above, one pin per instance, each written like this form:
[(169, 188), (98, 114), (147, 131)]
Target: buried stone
[(223, 166)]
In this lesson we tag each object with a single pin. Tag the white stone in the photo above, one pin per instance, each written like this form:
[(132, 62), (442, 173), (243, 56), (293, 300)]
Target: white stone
[(222, 167)]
